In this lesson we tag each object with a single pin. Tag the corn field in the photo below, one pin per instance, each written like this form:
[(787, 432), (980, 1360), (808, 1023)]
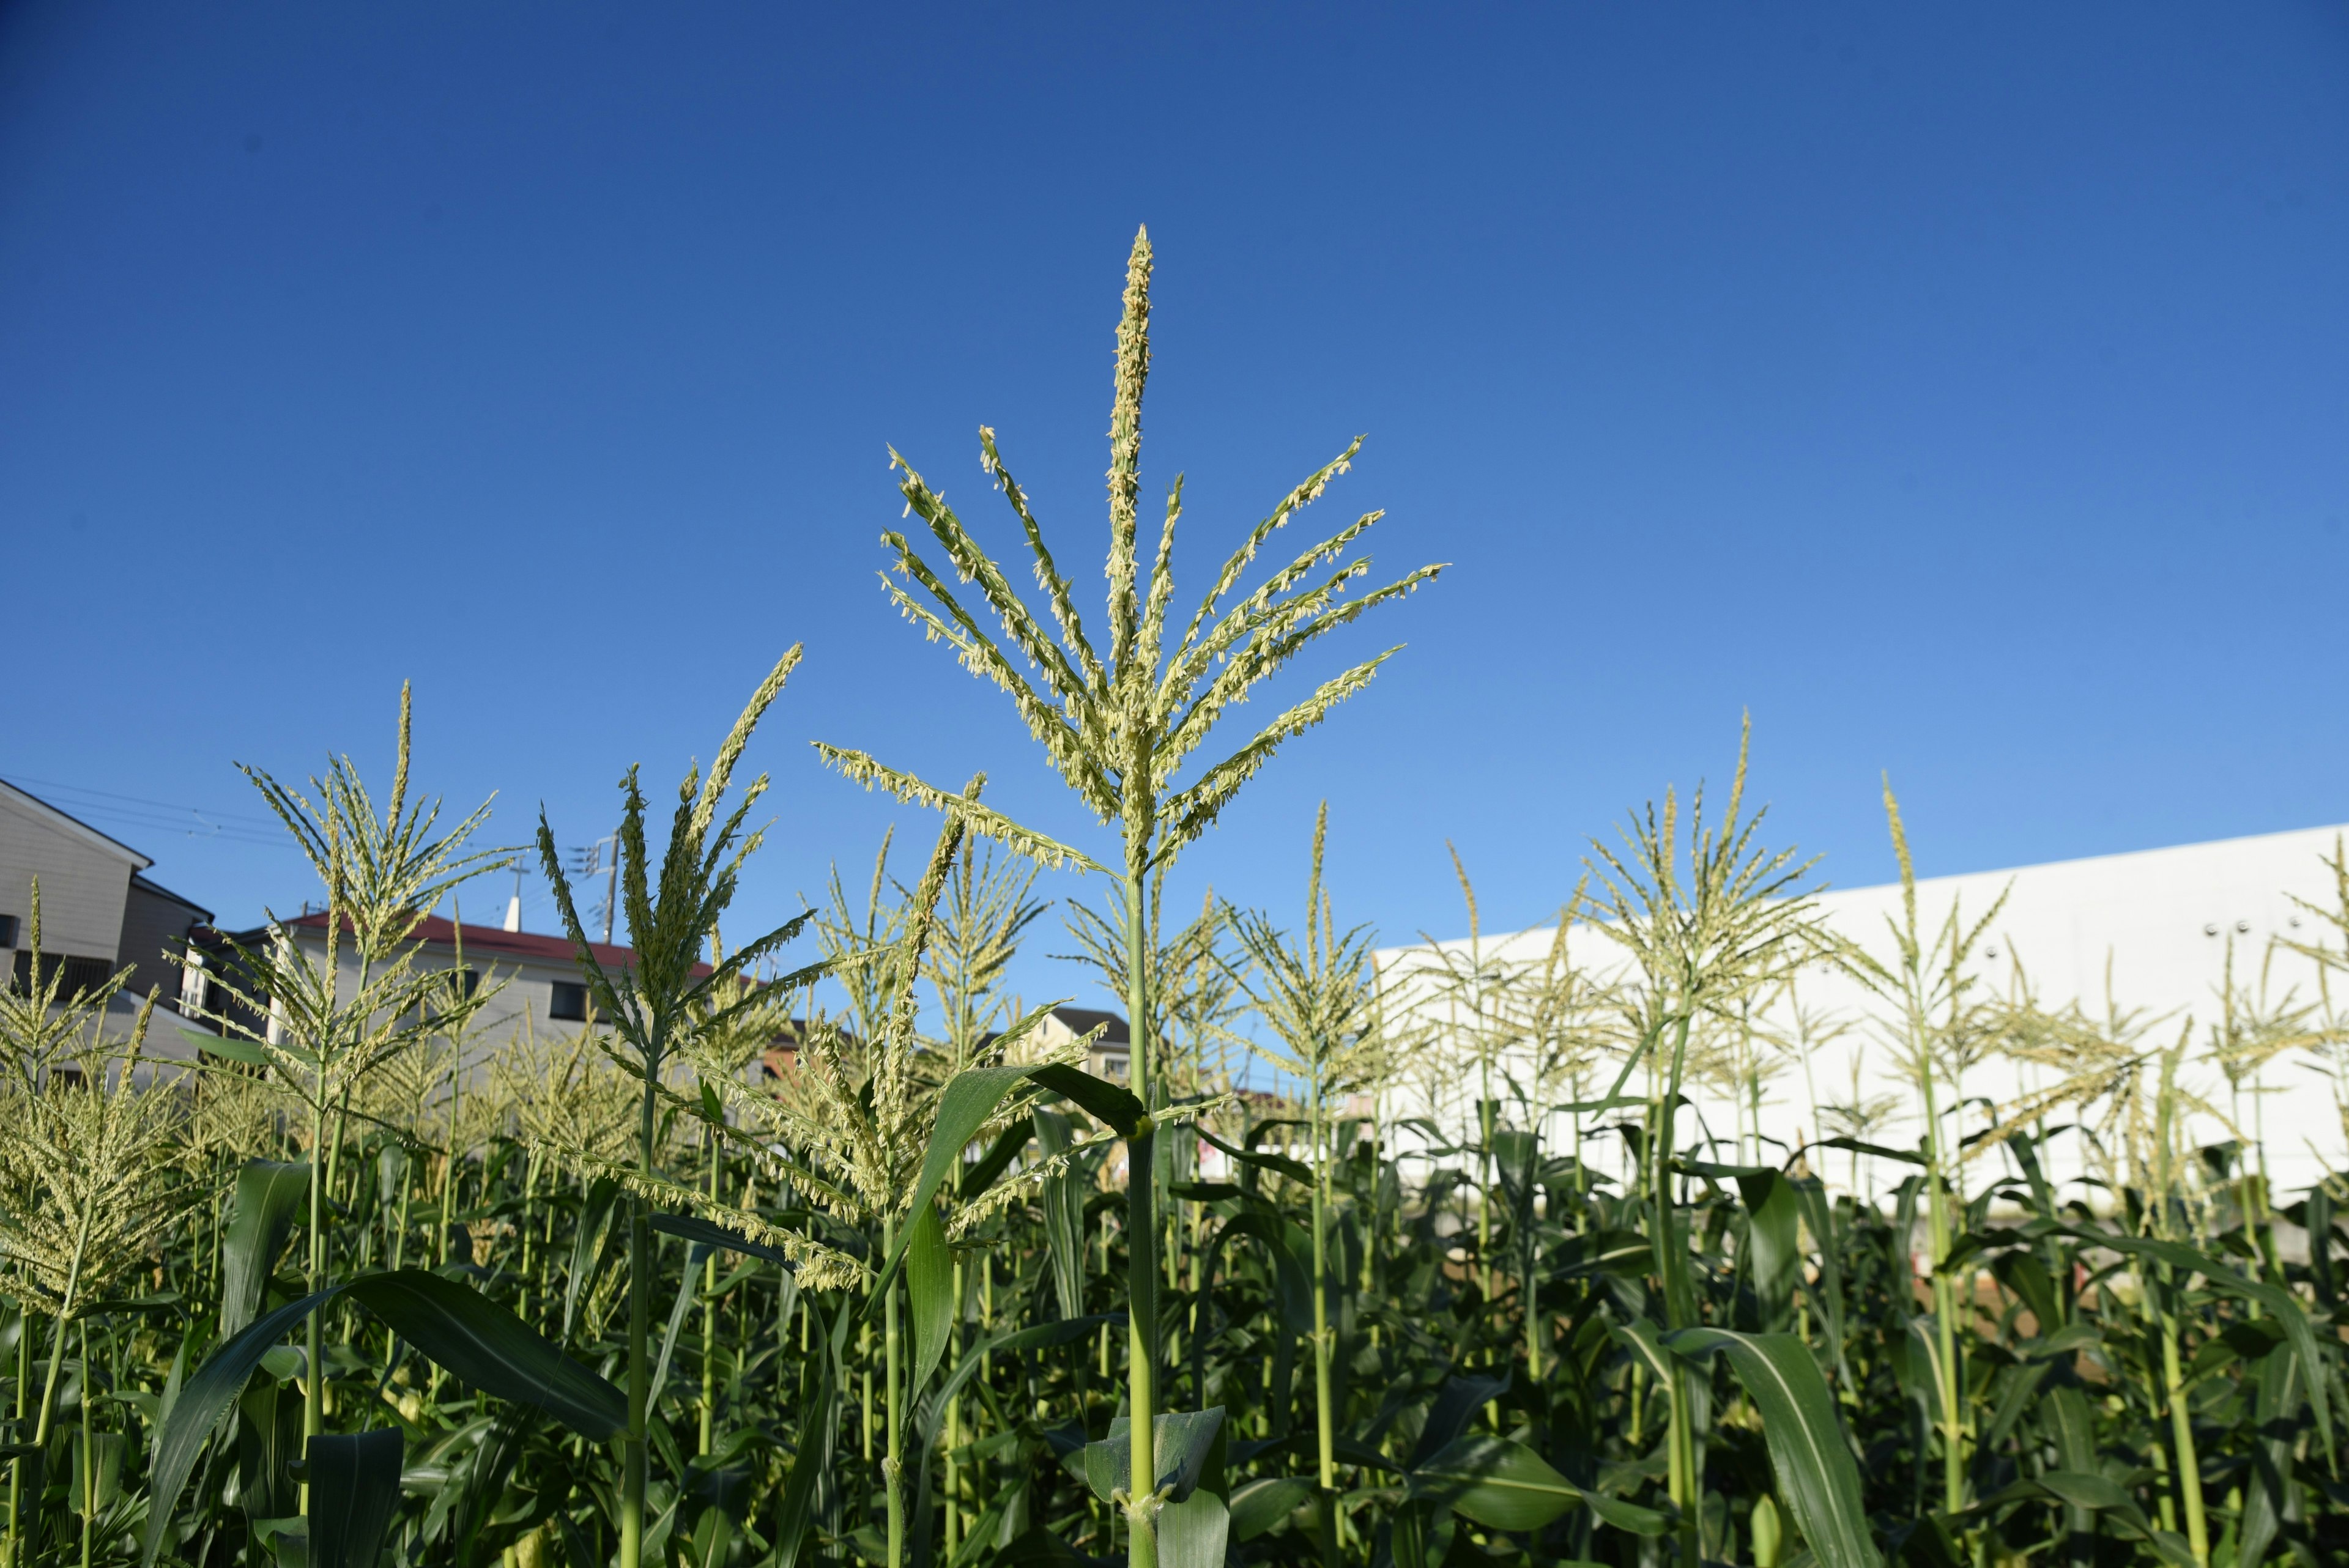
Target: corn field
[(354, 1287)]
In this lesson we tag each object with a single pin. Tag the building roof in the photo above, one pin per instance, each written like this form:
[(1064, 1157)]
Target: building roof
[(435, 930), (160, 891), (73, 827), (1081, 1020)]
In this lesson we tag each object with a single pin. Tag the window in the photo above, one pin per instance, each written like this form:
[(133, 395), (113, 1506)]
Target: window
[(7, 930), (80, 976), (570, 1004), (470, 980)]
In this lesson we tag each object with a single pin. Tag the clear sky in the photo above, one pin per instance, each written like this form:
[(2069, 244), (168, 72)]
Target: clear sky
[(1962, 390)]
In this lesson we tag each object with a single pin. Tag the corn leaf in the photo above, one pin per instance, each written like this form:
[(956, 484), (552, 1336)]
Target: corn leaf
[(1261, 1505), (354, 1490), (929, 1283), (463, 1331), (1773, 1242), (1498, 1483), (1817, 1478), (1192, 1532), (268, 1201)]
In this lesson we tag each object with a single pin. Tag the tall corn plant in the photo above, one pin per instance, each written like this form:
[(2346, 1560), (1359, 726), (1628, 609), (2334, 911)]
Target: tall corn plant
[(1318, 1001), (2133, 1103), (323, 1039), (84, 1186), (652, 1007), (330, 1028), (1121, 728), (1703, 938), (1938, 1029)]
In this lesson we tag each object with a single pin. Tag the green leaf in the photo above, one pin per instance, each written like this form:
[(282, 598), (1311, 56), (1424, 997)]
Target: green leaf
[(587, 1246), (1180, 1442), (1423, 1534), (1103, 1100), (1062, 1201), (1204, 1191), (227, 1048), (201, 1402), (1774, 1238), (2275, 1421), (1193, 1531), (1855, 1146), (929, 1285), (929, 1414), (1506, 1485), (695, 1255), (1500, 1485), (1290, 1247), (1623, 1515), (1456, 1404), (1817, 1480), (354, 1490), (287, 1540), (268, 1199), (480, 1343), (2280, 1305), (2096, 1494), (1295, 1169), (1644, 1340), (458, 1328), (977, 1178), (1262, 1505), (820, 1432), (692, 1228), (969, 1098)]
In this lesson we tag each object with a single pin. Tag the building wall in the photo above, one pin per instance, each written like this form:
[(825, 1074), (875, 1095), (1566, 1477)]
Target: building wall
[(85, 880), (2163, 920), (154, 925), (523, 1001)]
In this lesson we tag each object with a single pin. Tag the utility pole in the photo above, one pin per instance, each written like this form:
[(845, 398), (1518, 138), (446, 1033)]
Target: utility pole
[(611, 884), (589, 859)]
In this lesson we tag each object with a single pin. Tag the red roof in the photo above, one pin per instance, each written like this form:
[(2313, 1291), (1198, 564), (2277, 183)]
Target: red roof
[(493, 942)]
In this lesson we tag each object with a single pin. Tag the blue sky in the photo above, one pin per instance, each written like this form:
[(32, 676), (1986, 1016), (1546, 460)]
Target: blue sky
[(1961, 392)]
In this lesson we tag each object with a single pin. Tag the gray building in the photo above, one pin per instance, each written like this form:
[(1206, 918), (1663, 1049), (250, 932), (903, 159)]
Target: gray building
[(100, 911)]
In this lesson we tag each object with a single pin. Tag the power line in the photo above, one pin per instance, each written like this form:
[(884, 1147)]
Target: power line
[(156, 816)]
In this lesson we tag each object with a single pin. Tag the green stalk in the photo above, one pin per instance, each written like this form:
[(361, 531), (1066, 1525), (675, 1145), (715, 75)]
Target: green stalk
[(89, 1452), (529, 1233), (1672, 1265), (24, 1393), (1531, 1298), (1142, 1226), (2181, 1429), (1325, 1416), (890, 1465), (57, 1342), (1945, 1306), (314, 1387), (2173, 1381), (640, 1371), (954, 1423), (710, 1319)]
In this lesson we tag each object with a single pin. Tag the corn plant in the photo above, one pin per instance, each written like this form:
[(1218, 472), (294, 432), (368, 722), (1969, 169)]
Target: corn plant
[(1120, 730), (1318, 1004), (657, 1005), (764, 1266)]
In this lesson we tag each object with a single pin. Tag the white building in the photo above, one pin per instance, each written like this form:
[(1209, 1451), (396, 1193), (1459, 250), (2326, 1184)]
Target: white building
[(2161, 923)]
